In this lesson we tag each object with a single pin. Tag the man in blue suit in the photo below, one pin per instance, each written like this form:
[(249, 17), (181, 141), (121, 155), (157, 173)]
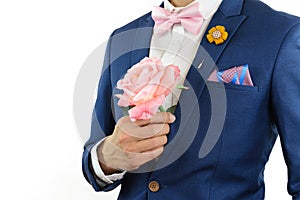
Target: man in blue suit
[(267, 44)]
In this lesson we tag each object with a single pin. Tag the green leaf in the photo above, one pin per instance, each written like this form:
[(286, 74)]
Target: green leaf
[(126, 109), (182, 87), (162, 109), (171, 109)]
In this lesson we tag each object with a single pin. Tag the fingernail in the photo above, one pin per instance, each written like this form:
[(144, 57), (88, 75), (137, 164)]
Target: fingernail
[(172, 118)]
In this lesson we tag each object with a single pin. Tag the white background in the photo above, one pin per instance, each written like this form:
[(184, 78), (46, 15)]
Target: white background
[(42, 47)]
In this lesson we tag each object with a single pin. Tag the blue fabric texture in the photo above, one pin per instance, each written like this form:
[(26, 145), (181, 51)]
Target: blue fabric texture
[(269, 42)]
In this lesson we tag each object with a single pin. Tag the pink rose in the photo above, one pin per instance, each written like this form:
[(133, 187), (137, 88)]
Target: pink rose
[(146, 110), (145, 86)]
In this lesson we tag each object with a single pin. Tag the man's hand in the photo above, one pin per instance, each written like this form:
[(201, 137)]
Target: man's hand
[(133, 144)]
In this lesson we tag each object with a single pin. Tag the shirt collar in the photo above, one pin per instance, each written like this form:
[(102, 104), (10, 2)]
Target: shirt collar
[(206, 7)]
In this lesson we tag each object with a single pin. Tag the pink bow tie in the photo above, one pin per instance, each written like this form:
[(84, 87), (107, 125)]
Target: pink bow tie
[(190, 18)]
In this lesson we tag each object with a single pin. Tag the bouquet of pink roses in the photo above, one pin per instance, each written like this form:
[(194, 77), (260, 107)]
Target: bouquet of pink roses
[(145, 86)]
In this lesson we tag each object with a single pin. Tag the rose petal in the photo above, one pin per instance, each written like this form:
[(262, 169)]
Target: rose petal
[(146, 110), (169, 80), (145, 94), (123, 100)]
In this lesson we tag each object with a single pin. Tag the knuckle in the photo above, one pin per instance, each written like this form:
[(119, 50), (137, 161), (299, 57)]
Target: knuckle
[(166, 128), (111, 142), (162, 129), (164, 140), (169, 115), (127, 149), (121, 120), (127, 132), (118, 130), (161, 151), (163, 117), (166, 117), (121, 138), (154, 142), (131, 148), (157, 153), (152, 130)]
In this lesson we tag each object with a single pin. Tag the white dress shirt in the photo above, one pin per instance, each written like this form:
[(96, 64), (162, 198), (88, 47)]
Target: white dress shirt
[(177, 46)]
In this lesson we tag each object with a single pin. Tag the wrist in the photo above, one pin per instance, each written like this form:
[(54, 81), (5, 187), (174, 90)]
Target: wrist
[(107, 170)]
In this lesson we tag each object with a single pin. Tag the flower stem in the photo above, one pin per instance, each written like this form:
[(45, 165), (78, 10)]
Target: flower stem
[(161, 109)]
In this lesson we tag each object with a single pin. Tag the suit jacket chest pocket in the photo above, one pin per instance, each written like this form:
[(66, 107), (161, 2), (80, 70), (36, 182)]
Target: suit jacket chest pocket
[(240, 100)]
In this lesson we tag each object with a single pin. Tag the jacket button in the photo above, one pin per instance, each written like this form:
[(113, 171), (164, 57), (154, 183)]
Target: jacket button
[(153, 186)]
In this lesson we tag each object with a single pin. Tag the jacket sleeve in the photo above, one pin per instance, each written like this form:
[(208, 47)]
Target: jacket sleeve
[(102, 125), (285, 96)]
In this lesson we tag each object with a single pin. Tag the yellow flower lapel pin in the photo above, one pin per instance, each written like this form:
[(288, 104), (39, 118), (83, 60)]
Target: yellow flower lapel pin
[(217, 34)]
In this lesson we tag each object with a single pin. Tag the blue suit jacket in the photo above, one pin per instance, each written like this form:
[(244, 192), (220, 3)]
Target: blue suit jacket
[(266, 40)]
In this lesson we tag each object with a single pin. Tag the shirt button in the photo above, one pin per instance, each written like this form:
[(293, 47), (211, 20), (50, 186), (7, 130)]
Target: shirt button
[(153, 186)]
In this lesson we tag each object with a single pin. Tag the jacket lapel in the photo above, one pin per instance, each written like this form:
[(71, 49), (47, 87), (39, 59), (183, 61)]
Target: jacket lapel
[(208, 54), (142, 40), (229, 16)]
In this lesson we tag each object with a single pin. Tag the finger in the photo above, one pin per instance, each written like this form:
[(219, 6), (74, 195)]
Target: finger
[(149, 144), (162, 117), (142, 158), (152, 130), (157, 125), (126, 123), (142, 122), (129, 127)]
